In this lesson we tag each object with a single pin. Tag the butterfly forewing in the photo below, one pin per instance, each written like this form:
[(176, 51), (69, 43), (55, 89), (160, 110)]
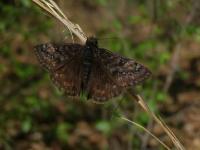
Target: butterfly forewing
[(52, 56), (64, 65), (126, 72)]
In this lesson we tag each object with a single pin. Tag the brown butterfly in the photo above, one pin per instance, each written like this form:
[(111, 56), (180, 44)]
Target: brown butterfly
[(87, 68)]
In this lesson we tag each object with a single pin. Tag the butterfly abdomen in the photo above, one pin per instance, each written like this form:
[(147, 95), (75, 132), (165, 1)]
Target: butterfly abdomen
[(87, 65)]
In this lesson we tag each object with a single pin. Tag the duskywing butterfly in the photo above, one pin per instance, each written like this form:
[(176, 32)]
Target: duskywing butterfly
[(87, 68)]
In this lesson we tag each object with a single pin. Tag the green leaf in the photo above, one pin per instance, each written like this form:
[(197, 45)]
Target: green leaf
[(135, 19), (164, 57), (161, 96), (104, 126), (26, 125), (26, 3), (117, 25), (24, 71), (143, 118), (62, 131), (5, 50), (102, 2)]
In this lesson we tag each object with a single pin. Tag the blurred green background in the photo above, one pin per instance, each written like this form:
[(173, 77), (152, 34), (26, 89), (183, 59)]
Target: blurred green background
[(163, 35)]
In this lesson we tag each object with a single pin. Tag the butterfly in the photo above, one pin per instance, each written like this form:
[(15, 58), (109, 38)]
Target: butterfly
[(98, 72)]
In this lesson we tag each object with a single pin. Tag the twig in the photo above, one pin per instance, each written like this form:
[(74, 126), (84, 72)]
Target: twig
[(138, 125), (173, 68), (194, 14), (175, 58), (52, 8), (174, 139)]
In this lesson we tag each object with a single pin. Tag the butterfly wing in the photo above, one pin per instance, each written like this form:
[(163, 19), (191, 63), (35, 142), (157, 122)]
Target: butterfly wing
[(101, 87), (63, 62), (112, 73), (126, 72)]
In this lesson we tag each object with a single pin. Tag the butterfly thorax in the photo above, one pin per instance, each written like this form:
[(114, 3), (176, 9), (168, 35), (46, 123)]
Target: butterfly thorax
[(88, 56)]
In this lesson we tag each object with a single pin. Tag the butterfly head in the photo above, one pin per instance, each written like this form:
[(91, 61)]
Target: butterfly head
[(92, 42)]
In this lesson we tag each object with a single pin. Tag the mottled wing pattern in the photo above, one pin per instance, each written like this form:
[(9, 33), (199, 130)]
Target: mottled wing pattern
[(101, 87), (52, 56), (125, 72), (64, 65), (68, 78)]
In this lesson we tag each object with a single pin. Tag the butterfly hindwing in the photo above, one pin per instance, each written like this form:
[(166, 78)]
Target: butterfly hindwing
[(101, 87), (68, 79)]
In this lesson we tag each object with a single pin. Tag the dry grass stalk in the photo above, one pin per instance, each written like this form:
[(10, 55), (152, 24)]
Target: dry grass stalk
[(51, 7), (172, 136), (143, 128)]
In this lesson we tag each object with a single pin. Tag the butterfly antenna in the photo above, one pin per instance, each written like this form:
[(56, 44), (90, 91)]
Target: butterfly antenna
[(108, 38)]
